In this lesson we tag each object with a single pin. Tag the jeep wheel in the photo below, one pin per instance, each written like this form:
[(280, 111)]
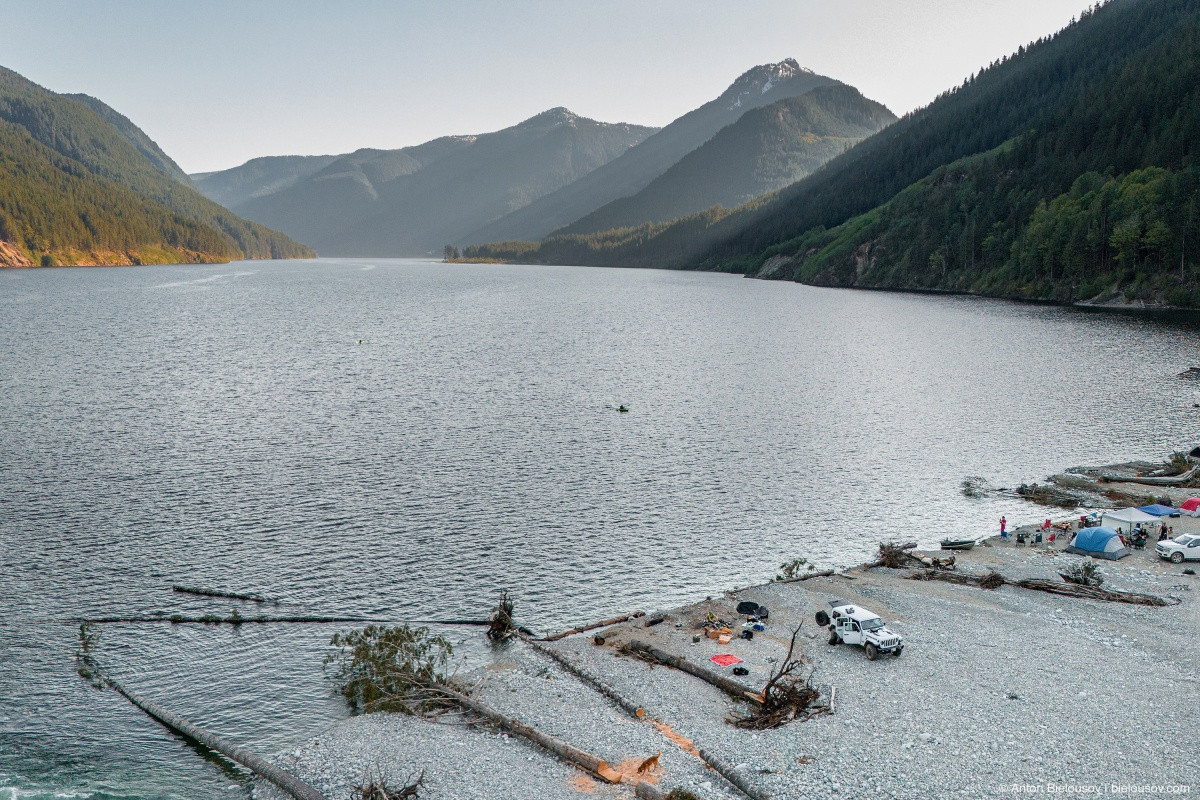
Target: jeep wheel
[(872, 651), (899, 650), (833, 638), (1177, 557), (822, 618)]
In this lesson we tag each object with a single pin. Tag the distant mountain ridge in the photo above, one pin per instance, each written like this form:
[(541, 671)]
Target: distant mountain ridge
[(416, 199), (257, 177), (83, 185), (634, 170), (768, 148)]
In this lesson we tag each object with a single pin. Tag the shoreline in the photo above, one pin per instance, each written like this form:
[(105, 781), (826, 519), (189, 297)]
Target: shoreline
[(1056, 675)]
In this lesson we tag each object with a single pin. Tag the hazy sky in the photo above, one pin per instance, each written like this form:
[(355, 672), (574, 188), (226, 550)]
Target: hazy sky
[(216, 82)]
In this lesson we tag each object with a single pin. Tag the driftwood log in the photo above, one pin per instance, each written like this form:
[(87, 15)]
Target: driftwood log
[(252, 598), (284, 780), (625, 704), (995, 580), (933, 562), (730, 687), (567, 752), (825, 573), (213, 619), (593, 625), (634, 710), (729, 773)]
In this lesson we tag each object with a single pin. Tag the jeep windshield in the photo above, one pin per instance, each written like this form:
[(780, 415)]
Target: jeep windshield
[(871, 624)]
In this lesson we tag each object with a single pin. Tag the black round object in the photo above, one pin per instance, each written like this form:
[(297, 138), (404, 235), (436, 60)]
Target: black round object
[(747, 607), (822, 618), (740, 671), (747, 634), (763, 613)]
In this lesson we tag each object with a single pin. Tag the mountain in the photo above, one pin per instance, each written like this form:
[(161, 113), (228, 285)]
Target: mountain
[(83, 185), (768, 148), (257, 177), (415, 200), (634, 170), (1068, 172), (135, 136)]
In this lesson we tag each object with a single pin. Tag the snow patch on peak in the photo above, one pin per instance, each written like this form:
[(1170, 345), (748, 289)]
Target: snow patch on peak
[(558, 116)]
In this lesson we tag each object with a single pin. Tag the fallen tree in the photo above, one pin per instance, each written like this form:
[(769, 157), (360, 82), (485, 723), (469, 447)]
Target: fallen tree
[(622, 702), (604, 623), (825, 573), (784, 697), (238, 619), (252, 598), (994, 580), (730, 687), (89, 669), (402, 669)]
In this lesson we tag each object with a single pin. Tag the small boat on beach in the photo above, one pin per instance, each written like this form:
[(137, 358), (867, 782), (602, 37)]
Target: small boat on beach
[(957, 544)]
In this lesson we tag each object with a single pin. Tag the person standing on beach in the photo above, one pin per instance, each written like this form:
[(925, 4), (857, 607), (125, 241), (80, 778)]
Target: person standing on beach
[(1003, 526)]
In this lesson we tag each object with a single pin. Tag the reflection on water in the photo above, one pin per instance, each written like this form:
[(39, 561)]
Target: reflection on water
[(222, 426)]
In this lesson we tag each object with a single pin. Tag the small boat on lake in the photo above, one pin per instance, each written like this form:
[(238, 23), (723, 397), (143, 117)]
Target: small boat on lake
[(957, 544)]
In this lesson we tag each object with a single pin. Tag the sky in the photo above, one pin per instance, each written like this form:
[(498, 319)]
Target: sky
[(217, 82)]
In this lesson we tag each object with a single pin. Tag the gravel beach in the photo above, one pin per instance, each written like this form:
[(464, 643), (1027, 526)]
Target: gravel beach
[(1003, 693)]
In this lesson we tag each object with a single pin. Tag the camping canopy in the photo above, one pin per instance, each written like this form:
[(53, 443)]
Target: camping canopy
[(1158, 510), (1127, 518), (1099, 542), (1191, 506)]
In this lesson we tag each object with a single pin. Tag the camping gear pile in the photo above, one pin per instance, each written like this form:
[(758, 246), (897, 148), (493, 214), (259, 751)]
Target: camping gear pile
[(716, 628)]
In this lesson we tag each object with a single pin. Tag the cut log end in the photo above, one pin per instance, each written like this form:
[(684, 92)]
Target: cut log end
[(607, 773)]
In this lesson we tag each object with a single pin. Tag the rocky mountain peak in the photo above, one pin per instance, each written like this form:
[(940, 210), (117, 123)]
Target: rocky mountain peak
[(762, 79)]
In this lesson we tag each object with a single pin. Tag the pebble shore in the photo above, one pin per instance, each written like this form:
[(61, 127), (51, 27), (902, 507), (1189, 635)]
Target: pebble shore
[(998, 694)]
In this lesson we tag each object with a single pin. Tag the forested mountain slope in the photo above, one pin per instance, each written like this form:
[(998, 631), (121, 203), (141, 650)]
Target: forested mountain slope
[(766, 149), (1066, 172), (83, 186)]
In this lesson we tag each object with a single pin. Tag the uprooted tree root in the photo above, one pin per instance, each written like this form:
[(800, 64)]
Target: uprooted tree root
[(893, 555), (784, 698), (377, 789), (994, 580), (500, 624)]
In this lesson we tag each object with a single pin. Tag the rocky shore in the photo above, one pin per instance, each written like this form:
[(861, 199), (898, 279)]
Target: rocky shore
[(1000, 693)]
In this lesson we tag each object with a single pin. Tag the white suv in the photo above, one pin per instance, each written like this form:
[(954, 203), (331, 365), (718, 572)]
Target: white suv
[(856, 625), (1185, 547)]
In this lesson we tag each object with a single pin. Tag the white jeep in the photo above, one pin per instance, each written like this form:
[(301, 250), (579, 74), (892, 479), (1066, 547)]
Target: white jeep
[(856, 625)]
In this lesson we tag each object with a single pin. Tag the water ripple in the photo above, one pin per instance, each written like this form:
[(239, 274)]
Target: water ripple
[(238, 436)]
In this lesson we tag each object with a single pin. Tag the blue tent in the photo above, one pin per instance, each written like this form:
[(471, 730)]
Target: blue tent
[(1102, 542), (1160, 510)]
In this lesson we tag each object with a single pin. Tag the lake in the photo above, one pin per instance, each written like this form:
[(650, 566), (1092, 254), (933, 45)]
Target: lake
[(223, 426)]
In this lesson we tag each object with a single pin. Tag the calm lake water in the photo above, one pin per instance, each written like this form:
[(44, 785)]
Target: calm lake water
[(222, 426)]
